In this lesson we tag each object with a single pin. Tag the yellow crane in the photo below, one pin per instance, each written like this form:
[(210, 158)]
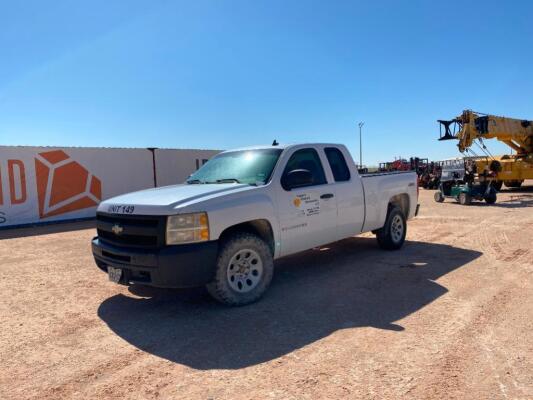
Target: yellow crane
[(473, 128)]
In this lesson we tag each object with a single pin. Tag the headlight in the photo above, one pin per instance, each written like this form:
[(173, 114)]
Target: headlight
[(187, 228)]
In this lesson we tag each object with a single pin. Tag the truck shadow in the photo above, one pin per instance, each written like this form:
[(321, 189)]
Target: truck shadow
[(347, 284)]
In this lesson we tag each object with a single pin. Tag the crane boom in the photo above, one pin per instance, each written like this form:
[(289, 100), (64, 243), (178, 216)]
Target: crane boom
[(470, 126)]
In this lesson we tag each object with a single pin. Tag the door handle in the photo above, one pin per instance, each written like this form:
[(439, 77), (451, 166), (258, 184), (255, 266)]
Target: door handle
[(327, 196)]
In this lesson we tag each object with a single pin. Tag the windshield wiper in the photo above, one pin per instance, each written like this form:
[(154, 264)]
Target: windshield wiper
[(228, 180), (194, 181)]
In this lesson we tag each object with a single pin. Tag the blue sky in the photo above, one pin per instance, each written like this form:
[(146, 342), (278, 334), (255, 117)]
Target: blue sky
[(222, 74)]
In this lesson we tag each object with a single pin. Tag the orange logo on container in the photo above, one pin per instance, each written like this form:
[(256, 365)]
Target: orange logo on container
[(63, 185), (296, 201)]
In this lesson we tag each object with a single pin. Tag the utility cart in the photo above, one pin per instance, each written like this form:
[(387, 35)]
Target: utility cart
[(470, 186)]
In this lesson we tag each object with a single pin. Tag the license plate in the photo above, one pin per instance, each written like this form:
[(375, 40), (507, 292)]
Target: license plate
[(114, 274)]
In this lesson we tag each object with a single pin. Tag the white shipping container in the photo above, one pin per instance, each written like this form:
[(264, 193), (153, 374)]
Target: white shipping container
[(46, 184)]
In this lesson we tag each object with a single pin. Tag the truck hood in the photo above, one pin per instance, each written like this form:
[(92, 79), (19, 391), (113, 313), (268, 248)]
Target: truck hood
[(166, 198)]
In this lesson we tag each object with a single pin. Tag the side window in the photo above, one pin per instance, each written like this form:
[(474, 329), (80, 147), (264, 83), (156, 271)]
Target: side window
[(307, 159), (336, 160)]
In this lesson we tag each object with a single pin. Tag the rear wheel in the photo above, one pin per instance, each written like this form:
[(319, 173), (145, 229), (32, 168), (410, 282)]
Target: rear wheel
[(392, 235), (244, 270), (490, 198), (465, 199)]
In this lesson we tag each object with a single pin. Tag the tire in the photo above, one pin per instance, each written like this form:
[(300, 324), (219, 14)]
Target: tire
[(392, 235), (490, 198), (513, 184), (244, 270), (465, 199), (438, 197)]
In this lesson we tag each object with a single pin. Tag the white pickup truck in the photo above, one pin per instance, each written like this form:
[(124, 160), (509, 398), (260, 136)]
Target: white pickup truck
[(244, 208)]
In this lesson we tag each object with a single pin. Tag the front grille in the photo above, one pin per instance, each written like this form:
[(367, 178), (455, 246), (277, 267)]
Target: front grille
[(135, 240), (140, 231), (139, 220)]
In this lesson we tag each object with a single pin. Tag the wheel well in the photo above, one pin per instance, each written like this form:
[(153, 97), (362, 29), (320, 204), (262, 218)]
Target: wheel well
[(401, 201), (259, 227)]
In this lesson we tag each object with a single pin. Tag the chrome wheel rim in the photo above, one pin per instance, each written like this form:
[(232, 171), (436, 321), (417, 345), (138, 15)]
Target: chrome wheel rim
[(245, 270), (397, 228)]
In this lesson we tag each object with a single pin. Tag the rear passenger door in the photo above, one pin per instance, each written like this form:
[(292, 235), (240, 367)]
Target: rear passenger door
[(349, 193), (307, 215)]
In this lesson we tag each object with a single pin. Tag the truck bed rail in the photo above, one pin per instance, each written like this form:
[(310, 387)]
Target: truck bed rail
[(380, 173)]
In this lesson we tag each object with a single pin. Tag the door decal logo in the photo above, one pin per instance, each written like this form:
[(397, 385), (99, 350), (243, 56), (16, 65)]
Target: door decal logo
[(63, 185), (307, 204)]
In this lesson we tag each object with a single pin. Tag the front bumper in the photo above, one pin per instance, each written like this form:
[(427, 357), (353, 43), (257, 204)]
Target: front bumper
[(180, 266)]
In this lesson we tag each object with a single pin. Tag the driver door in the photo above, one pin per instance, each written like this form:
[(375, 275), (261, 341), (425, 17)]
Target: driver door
[(307, 215)]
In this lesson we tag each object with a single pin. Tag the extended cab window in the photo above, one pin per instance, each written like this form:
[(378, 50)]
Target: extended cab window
[(309, 160), (336, 160)]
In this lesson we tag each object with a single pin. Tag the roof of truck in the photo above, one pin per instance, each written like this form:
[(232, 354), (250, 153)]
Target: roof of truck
[(281, 146)]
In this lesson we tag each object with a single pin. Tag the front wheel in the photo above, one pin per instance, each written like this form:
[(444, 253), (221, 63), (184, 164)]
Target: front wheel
[(465, 199), (392, 235), (438, 197), (244, 270)]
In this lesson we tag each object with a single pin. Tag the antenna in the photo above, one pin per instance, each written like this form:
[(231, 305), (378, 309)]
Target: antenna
[(275, 143)]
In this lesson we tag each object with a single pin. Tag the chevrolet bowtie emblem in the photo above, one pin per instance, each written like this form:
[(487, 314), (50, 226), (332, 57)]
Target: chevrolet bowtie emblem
[(117, 229)]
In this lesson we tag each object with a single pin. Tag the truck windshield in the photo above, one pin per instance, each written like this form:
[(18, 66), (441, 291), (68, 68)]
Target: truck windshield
[(244, 166)]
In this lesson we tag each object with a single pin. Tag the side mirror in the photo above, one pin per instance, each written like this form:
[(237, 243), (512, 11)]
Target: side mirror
[(297, 178)]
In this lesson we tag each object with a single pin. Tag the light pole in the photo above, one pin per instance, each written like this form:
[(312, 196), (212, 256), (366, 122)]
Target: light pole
[(360, 145)]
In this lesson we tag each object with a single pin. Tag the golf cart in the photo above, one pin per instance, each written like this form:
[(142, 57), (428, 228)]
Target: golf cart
[(470, 186)]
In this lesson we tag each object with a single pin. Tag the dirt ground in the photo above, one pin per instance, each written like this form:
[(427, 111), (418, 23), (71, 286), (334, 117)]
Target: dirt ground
[(449, 316)]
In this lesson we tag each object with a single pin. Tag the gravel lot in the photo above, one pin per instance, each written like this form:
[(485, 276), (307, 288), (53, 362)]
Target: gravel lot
[(448, 316)]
